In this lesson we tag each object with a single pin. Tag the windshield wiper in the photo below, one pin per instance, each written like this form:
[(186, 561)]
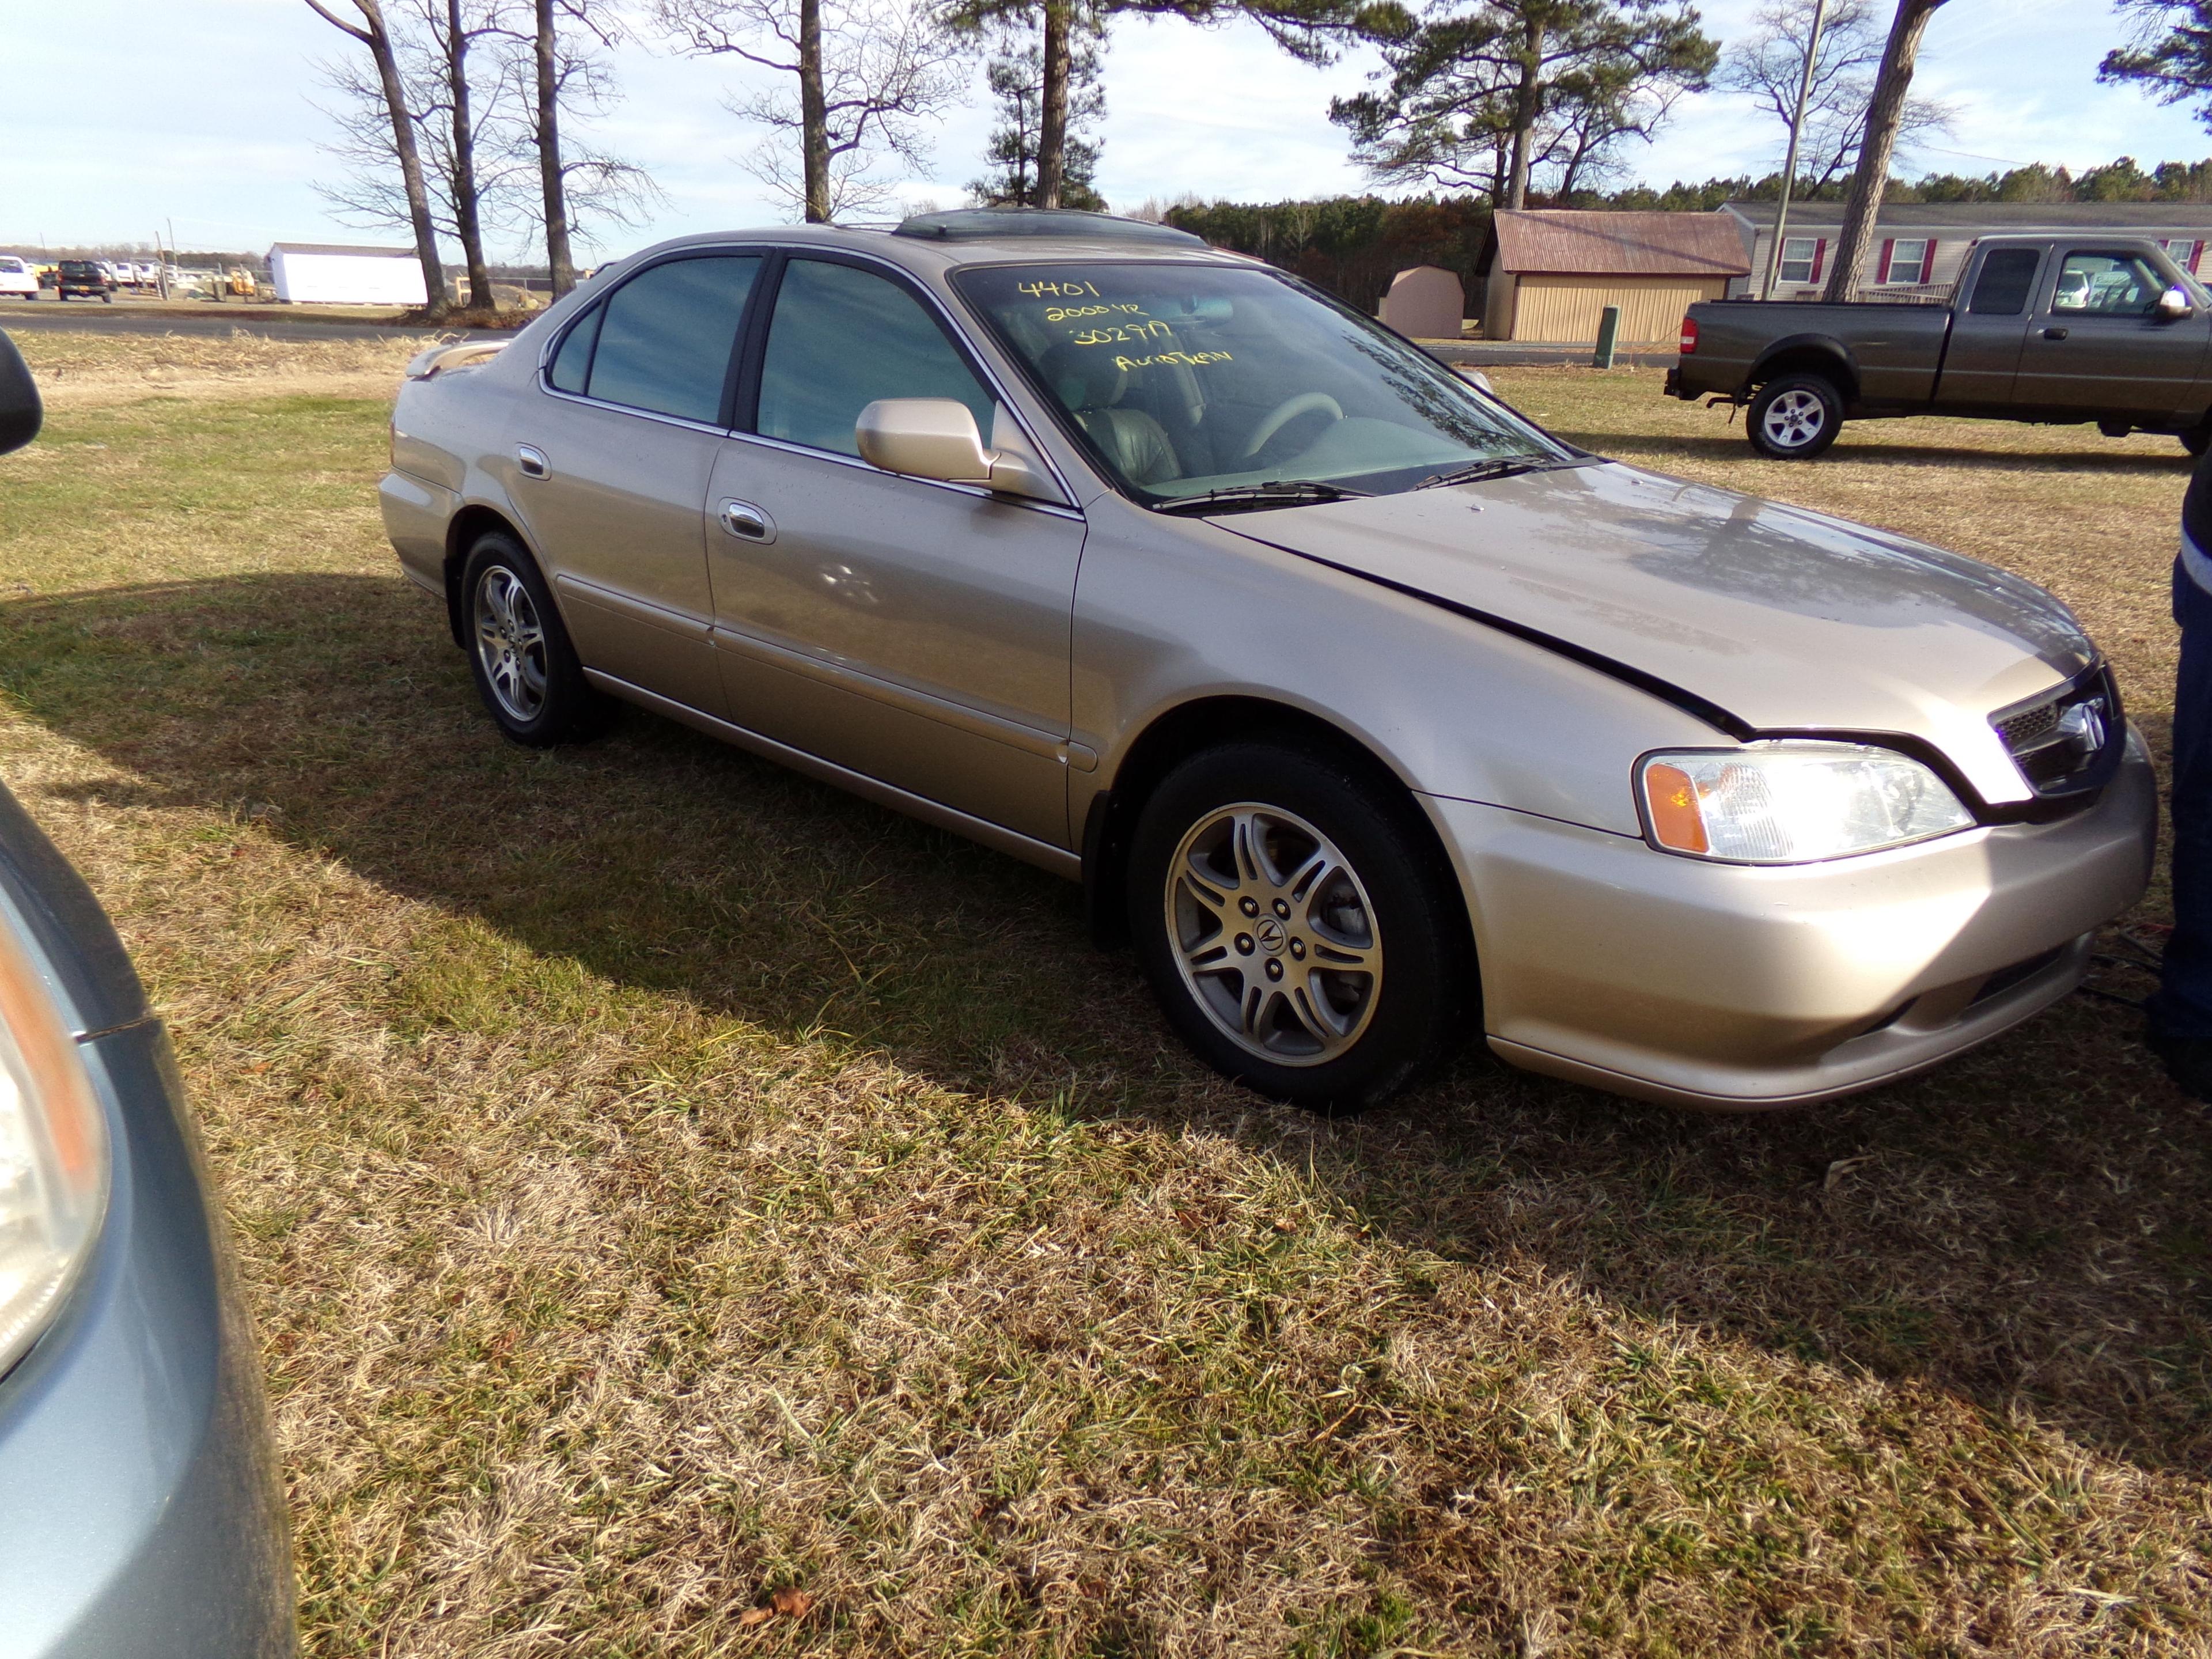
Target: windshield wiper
[(1502, 466), (1288, 492)]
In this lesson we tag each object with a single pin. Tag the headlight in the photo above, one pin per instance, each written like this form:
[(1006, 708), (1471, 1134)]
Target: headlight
[(1792, 802), (53, 1156)]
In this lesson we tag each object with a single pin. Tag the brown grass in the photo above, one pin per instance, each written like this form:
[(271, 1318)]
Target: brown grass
[(664, 1182)]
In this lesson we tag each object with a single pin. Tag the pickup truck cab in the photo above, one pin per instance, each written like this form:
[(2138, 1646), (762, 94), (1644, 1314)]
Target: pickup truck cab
[(2052, 330)]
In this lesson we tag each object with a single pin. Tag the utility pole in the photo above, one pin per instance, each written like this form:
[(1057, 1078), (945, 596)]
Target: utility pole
[(1789, 166)]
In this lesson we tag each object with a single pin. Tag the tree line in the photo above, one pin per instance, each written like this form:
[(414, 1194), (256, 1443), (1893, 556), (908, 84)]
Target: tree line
[(464, 119)]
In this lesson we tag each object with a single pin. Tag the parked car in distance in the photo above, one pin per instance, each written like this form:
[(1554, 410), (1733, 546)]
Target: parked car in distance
[(1372, 715), (2053, 329), (83, 278), (18, 278), (140, 1515)]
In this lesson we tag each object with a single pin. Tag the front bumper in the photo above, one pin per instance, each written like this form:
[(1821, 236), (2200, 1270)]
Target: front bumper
[(1714, 984), (141, 1516)]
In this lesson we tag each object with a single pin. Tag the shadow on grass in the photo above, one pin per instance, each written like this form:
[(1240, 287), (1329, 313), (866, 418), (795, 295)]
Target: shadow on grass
[(1729, 444), (2024, 1228)]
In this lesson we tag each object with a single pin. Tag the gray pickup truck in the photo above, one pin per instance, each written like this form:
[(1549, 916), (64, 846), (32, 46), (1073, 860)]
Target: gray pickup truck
[(2054, 330)]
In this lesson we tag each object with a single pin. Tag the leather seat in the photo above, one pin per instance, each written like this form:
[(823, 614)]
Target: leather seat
[(1091, 384)]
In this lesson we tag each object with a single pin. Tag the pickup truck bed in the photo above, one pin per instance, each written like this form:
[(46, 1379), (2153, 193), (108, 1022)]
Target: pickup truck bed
[(2050, 330)]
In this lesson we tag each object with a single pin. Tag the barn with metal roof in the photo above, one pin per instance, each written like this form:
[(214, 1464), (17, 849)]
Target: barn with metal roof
[(1548, 274)]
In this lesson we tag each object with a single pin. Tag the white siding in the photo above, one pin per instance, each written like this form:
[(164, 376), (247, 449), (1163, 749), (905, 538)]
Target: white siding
[(347, 278)]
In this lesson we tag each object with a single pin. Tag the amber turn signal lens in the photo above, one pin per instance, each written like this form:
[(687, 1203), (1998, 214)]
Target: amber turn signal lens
[(1672, 799)]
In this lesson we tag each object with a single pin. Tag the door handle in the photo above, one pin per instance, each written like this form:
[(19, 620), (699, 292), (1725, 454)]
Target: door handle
[(746, 522), (532, 460), (2054, 333)]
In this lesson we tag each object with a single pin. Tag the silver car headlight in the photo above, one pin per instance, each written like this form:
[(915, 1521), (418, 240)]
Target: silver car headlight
[(54, 1155), (1792, 801)]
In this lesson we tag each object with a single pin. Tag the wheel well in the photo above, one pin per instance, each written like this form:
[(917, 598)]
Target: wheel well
[(1808, 360), (468, 524), (1180, 732)]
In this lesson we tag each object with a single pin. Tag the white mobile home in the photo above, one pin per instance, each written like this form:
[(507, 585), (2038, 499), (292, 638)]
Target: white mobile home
[(325, 273)]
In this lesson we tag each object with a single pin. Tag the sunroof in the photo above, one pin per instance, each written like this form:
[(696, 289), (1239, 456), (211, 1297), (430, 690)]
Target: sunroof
[(977, 224)]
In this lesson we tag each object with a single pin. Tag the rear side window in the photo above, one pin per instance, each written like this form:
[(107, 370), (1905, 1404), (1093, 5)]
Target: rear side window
[(2002, 287), (665, 335), (843, 337), (572, 364)]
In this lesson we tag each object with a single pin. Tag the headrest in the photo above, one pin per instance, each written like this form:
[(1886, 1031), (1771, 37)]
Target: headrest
[(1085, 377)]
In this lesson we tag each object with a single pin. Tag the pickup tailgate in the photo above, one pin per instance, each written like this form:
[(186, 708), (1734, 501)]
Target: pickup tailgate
[(1894, 351)]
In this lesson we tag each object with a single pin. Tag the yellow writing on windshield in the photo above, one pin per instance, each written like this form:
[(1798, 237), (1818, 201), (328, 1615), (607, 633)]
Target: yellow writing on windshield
[(1071, 291), (1070, 313), (1188, 359), (1122, 334)]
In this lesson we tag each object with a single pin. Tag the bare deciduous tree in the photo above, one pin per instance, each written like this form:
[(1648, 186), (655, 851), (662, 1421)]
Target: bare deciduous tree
[(866, 75), (1769, 64), (557, 66), (368, 28), (1885, 115)]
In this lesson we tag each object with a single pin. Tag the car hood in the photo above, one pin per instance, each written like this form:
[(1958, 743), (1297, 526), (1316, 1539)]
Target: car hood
[(1774, 617)]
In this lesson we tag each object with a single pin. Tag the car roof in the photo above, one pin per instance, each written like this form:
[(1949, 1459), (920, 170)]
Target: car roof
[(935, 255)]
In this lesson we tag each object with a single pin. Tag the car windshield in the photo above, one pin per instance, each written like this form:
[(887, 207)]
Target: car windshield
[(1188, 379)]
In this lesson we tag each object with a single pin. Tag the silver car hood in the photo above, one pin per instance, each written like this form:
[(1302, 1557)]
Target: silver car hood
[(1781, 619)]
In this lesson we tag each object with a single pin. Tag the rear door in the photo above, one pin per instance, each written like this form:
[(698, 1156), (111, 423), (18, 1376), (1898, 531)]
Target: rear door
[(612, 454), (2098, 345), (1989, 327), (915, 632)]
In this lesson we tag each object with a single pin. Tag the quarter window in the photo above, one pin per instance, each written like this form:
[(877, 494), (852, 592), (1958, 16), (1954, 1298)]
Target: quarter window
[(2008, 276), (572, 364), (2108, 285), (1798, 253), (841, 337), (665, 335)]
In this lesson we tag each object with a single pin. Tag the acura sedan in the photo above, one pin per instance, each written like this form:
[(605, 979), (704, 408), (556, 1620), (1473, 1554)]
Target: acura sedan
[(140, 1513), (1369, 714)]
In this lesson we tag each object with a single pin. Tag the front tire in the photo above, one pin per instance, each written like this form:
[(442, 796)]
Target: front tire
[(1300, 935), (526, 669), (1795, 417)]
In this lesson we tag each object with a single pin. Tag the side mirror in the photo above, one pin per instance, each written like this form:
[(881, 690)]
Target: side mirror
[(2174, 305), (937, 438), (22, 414)]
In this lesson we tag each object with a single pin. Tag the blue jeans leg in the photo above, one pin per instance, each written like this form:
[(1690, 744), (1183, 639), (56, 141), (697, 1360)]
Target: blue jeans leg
[(2182, 1009)]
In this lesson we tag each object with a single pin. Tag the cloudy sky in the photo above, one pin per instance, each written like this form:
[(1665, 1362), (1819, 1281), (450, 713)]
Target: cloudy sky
[(120, 117)]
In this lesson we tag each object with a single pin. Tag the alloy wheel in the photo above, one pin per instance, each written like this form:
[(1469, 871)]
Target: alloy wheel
[(1794, 419), (1274, 934), (511, 643)]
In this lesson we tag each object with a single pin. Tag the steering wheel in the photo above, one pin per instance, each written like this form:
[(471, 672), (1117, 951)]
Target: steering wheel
[(1287, 411)]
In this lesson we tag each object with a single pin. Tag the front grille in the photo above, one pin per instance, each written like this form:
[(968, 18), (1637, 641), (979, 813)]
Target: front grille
[(2061, 741)]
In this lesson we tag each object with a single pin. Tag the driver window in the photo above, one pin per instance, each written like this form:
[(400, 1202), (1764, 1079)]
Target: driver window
[(2108, 285), (843, 337)]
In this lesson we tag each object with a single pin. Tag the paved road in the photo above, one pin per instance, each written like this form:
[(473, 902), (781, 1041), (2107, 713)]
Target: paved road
[(78, 315)]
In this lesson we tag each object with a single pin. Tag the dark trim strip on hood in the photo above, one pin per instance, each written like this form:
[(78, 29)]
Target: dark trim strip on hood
[(1667, 691)]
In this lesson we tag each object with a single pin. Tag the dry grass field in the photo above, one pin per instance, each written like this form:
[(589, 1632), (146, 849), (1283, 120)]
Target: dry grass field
[(689, 1212)]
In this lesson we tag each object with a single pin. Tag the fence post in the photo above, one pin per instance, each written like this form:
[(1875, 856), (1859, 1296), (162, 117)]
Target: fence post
[(1609, 331)]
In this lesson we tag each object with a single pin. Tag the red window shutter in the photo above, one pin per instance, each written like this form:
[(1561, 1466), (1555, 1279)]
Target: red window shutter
[(2195, 253), (1820, 258), (1881, 270), (1928, 262)]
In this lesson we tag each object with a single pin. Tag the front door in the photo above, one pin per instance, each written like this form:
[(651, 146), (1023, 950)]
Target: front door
[(613, 453), (915, 632), (2100, 346)]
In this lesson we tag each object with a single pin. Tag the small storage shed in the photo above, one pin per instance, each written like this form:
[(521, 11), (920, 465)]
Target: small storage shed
[(1550, 273), (330, 273)]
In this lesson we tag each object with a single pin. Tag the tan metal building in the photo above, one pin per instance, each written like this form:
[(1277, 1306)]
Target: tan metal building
[(1548, 274)]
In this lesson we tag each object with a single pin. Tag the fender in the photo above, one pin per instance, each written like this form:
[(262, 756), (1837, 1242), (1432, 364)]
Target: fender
[(1810, 343)]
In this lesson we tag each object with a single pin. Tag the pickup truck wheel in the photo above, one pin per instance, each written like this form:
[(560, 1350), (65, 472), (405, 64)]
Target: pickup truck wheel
[(1795, 417)]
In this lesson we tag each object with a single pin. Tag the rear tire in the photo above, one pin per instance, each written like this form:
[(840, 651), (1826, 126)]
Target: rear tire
[(1266, 884), (526, 669), (1795, 417)]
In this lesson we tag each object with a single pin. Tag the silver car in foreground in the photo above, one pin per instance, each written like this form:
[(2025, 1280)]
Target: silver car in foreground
[(1371, 714), (140, 1513)]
